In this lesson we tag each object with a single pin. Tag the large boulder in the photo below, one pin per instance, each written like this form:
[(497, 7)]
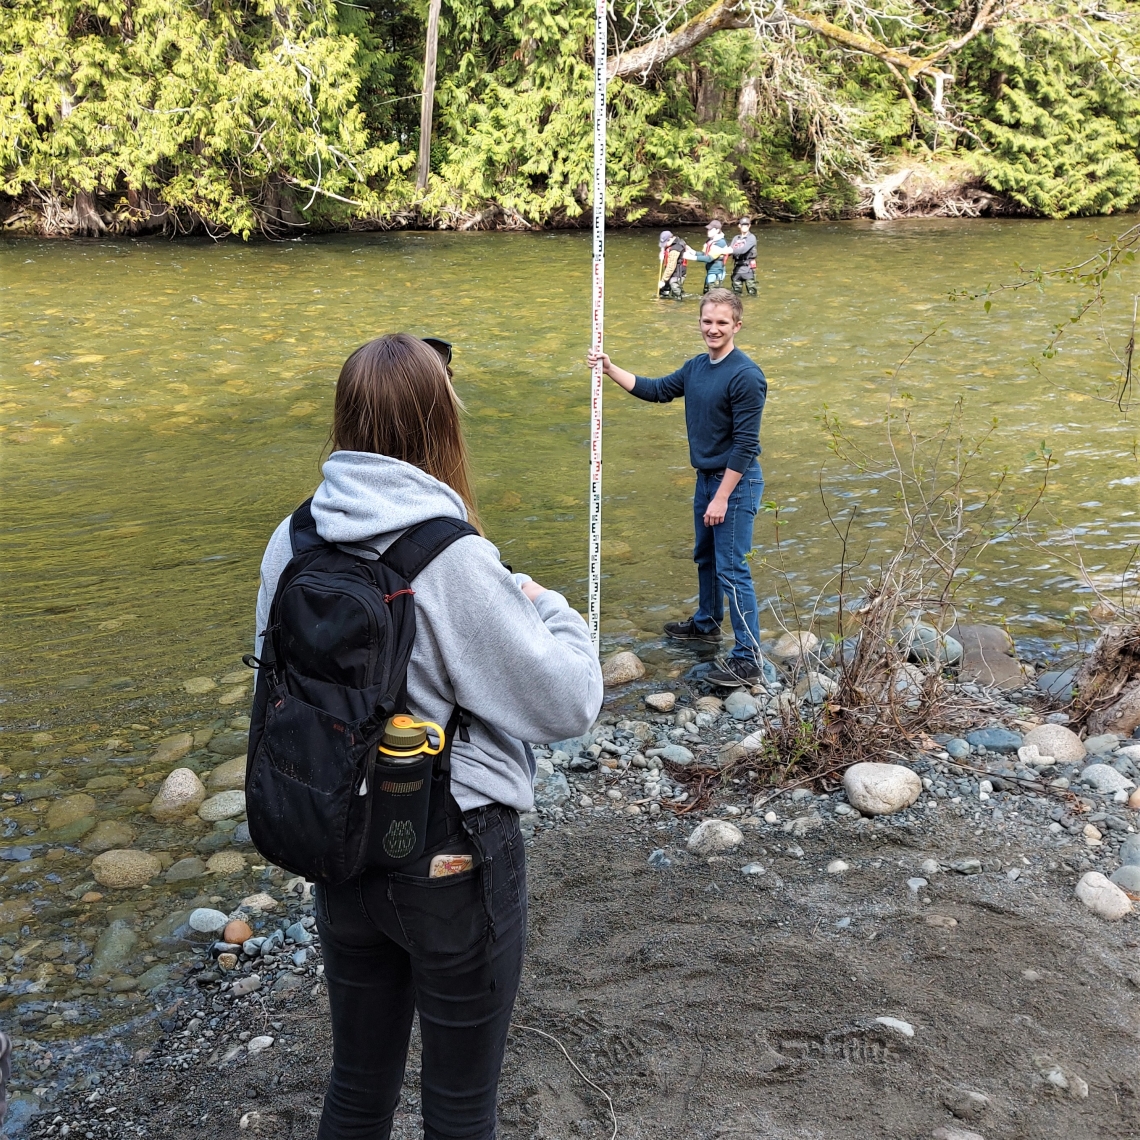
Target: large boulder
[(179, 797), (988, 657), (621, 668), (120, 869), (1055, 740), (880, 789)]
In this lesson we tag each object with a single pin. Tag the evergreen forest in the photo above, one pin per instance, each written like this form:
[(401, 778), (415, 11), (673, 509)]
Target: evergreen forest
[(256, 117)]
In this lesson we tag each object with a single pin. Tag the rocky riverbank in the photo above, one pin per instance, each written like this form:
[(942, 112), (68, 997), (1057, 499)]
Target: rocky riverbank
[(993, 867)]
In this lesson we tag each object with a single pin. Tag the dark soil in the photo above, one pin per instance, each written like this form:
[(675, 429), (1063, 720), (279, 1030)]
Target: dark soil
[(709, 1004)]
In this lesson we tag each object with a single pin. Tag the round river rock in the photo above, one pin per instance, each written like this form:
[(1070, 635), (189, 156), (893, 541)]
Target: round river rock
[(120, 869), (880, 789), (1055, 740), (179, 797)]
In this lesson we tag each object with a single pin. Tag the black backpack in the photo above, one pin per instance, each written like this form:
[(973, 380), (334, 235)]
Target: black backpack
[(320, 799)]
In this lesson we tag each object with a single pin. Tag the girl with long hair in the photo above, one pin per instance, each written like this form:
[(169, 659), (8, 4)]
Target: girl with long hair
[(520, 661)]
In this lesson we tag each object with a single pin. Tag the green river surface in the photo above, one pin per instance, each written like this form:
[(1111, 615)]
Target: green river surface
[(165, 405)]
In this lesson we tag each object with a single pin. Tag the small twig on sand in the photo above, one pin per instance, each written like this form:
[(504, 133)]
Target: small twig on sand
[(555, 1041)]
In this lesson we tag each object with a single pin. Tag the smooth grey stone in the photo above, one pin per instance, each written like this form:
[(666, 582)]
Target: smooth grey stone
[(1127, 878), (1103, 744), (675, 754), (957, 747), (114, 947), (300, 957), (287, 982), (1130, 850), (298, 934), (995, 739), (251, 947), (229, 744), (659, 859), (153, 979), (1058, 683), (969, 866), (240, 836), (212, 841), (189, 868)]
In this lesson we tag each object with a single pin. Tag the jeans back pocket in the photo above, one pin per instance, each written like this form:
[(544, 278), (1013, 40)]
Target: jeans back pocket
[(444, 917)]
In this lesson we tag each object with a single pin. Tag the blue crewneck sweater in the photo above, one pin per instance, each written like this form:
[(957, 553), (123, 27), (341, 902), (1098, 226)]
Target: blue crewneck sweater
[(723, 405)]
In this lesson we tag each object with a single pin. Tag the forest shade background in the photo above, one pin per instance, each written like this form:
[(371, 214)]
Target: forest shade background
[(250, 116)]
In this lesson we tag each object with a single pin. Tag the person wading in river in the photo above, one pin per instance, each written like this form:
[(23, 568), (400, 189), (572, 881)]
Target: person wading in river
[(724, 394), (743, 250), (521, 663)]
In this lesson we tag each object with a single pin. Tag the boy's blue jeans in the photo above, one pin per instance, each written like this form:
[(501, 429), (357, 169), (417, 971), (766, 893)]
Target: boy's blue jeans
[(719, 553)]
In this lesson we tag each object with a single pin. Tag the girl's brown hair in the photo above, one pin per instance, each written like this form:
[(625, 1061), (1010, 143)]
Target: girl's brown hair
[(394, 397)]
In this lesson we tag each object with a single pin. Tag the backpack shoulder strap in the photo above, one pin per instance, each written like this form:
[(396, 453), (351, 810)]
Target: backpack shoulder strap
[(303, 535), (419, 544)]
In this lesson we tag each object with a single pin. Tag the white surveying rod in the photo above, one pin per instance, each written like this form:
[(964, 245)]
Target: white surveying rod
[(595, 571)]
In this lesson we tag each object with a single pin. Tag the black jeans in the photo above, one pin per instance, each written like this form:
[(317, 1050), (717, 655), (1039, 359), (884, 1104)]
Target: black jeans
[(395, 943)]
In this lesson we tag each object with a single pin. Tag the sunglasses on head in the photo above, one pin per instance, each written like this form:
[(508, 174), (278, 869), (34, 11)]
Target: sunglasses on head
[(443, 347)]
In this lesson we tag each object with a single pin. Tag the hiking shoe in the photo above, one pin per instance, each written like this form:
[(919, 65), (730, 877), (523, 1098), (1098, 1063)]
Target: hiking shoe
[(688, 631), (734, 674)]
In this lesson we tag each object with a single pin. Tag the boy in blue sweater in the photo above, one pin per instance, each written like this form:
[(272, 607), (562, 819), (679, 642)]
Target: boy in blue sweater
[(724, 395)]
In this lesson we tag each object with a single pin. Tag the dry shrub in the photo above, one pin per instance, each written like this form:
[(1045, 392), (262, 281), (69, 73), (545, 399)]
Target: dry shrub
[(883, 703)]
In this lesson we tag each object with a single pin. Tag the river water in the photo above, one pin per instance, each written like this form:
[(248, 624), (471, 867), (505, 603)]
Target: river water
[(165, 405)]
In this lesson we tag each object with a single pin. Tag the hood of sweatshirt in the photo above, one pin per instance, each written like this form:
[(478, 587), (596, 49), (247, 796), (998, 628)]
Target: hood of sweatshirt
[(365, 495)]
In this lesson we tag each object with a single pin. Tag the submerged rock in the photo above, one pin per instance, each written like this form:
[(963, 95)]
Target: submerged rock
[(108, 833), (621, 668), (172, 749), (179, 797), (229, 744), (206, 920), (880, 789), (226, 863), (69, 810), (791, 647), (120, 869), (114, 947), (189, 868), (225, 805)]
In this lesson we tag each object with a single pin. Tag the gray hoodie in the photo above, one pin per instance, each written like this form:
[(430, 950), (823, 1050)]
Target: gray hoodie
[(525, 670)]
